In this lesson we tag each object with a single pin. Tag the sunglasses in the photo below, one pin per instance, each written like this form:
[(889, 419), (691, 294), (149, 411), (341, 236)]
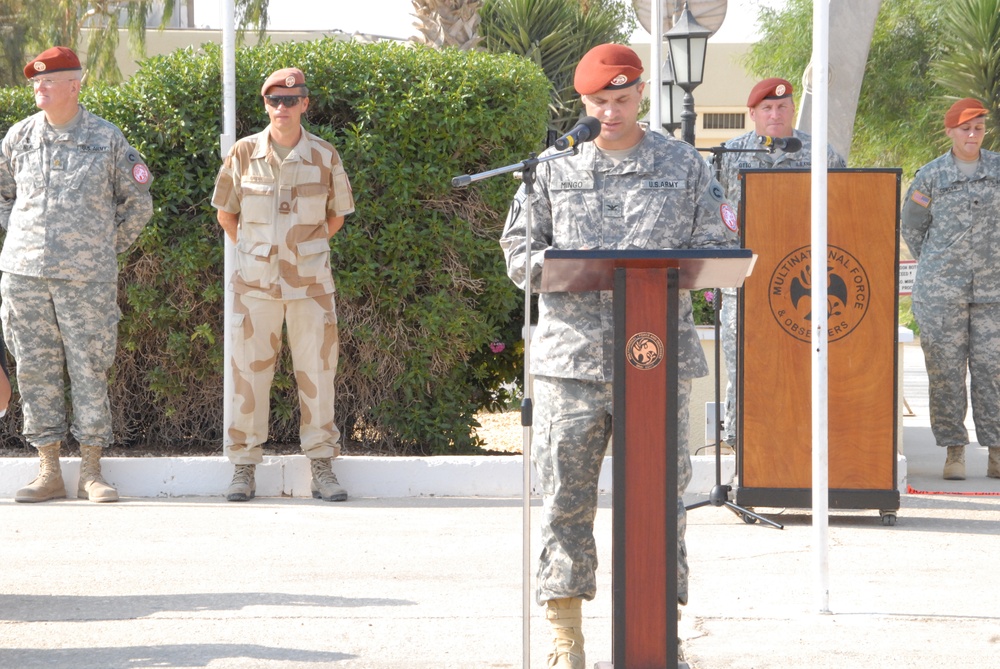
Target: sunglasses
[(288, 100)]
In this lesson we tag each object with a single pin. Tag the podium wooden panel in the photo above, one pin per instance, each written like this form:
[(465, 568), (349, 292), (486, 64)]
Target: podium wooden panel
[(646, 288), (775, 352)]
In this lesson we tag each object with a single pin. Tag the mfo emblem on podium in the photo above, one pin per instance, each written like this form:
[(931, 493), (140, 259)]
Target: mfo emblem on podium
[(644, 350), (848, 293)]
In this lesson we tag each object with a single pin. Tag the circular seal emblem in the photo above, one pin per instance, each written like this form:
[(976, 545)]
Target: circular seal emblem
[(848, 293), (289, 81), (140, 173), (779, 89), (619, 80), (644, 350), (729, 217), (39, 66)]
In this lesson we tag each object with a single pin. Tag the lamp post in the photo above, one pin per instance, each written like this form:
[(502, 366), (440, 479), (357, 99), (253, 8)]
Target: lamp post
[(687, 42), (671, 99)]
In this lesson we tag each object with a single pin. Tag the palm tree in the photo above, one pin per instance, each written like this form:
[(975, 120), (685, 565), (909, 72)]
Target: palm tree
[(30, 26), (555, 34), (18, 21), (447, 23), (970, 66)]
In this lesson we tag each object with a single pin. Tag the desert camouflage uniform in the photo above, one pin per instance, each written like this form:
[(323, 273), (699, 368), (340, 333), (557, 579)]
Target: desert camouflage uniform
[(729, 174), (949, 222), (660, 197), (283, 276), (70, 200)]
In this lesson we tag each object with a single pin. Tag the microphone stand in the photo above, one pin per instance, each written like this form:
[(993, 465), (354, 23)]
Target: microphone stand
[(719, 496), (527, 169)]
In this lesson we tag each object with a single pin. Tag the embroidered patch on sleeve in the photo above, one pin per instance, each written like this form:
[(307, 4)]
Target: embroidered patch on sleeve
[(921, 199), (729, 217), (140, 173)]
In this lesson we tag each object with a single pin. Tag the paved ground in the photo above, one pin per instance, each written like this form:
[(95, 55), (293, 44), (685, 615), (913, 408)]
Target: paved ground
[(284, 583)]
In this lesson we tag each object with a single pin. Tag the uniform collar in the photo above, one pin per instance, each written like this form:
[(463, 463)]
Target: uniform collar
[(263, 145), (642, 161)]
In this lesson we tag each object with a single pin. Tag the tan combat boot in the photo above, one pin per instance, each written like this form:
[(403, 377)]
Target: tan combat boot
[(954, 464), (566, 618), (324, 482), (92, 484), (243, 486), (993, 467), (49, 482)]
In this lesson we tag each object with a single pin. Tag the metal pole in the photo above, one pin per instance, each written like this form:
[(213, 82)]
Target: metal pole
[(688, 117), (526, 423), (226, 141), (820, 359), (656, 65)]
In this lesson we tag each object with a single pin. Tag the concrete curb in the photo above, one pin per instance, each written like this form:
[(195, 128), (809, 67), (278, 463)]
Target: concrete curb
[(289, 476)]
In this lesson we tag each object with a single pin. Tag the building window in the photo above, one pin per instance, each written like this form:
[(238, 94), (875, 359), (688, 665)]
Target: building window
[(724, 121)]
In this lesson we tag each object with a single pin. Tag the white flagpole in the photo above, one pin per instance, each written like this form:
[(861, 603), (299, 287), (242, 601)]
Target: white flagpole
[(226, 141), (656, 64), (820, 359)]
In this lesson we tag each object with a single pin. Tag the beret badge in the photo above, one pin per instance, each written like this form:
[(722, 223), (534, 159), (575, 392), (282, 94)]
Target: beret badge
[(39, 66), (780, 89), (619, 80), (289, 81)]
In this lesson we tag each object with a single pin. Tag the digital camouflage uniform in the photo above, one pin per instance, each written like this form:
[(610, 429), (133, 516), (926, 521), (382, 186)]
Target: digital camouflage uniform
[(283, 276), (949, 221), (731, 164), (662, 196), (70, 200)]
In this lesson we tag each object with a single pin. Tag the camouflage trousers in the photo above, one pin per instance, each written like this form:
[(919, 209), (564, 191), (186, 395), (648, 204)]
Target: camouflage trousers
[(57, 328), (727, 330), (572, 425), (961, 339), (311, 326)]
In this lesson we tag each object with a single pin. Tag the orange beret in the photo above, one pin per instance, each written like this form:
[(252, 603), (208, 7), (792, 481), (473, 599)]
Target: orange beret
[(610, 66), (288, 77), (56, 59), (769, 89), (963, 111)]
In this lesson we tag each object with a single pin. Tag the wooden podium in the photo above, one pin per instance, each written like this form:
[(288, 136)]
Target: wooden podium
[(775, 356), (645, 404)]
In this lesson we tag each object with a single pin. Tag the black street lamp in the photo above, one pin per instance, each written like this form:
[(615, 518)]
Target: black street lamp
[(671, 99), (688, 42)]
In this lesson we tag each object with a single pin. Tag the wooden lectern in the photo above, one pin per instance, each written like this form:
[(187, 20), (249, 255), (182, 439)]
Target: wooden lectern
[(645, 285), (774, 370)]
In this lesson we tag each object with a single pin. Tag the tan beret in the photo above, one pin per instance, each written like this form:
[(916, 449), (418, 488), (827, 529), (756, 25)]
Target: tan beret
[(769, 89), (56, 59), (288, 77), (607, 66), (963, 111)]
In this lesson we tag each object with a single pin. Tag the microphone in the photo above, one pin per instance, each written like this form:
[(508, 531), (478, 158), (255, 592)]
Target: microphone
[(786, 144), (586, 130)]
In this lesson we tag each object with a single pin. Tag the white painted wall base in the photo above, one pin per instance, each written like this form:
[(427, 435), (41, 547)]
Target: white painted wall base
[(442, 476)]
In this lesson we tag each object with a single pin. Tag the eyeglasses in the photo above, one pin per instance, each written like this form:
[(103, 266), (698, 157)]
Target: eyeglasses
[(288, 100), (48, 83)]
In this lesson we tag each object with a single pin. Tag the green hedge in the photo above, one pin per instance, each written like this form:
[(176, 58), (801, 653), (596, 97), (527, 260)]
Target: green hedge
[(422, 291)]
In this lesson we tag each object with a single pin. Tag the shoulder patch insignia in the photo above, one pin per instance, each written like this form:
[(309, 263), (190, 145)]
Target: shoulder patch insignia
[(715, 190), (921, 199), (729, 217), (140, 173)]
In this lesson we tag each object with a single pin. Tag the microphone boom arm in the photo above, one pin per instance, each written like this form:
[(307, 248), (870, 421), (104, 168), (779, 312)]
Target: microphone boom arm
[(532, 162)]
